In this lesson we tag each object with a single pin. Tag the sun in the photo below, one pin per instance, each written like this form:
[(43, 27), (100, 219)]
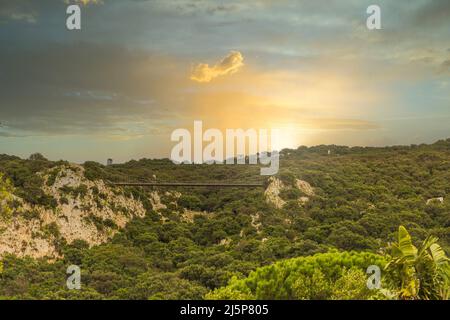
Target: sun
[(287, 136)]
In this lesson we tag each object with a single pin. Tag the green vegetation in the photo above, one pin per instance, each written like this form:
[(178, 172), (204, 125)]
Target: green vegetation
[(332, 275), (422, 273), (80, 191), (242, 247), (408, 274), (23, 176), (5, 198)]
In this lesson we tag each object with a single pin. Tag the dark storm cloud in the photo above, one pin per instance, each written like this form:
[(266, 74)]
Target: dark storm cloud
[(84, 88), (445, 67), (433, 13), (19, 10)]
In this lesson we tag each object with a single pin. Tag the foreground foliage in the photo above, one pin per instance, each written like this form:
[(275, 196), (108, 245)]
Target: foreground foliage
[(409, 273), (332, 275), (422, 273)]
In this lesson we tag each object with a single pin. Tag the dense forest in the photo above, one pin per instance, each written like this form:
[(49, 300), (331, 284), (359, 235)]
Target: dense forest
[(310, 233)]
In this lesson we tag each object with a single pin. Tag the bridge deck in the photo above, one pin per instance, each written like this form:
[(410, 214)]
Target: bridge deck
[(186, 184)]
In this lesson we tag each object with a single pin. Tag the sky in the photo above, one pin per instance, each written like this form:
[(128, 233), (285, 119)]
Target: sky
[(139, 69)]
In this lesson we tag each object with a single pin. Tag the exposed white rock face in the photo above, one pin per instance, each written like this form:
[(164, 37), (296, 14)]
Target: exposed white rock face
[(440, 199), (305, 187), (83, 206), (255, 222), (303, 200), (24, 239), (225, 242), (155, 200), (272, 192), (174, 194), (189, 215)]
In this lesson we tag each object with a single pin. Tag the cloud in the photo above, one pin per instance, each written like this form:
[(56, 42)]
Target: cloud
[(340, 124), (229, 65), (19, 11), (445, 66), (28, 11), (104, 90), (84, 2), (315, 68), (433, 13)]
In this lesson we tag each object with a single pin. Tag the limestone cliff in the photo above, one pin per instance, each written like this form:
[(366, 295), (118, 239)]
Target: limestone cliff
[(86, 210)]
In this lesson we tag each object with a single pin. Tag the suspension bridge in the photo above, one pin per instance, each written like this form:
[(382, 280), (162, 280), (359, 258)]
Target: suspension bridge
[(188, 184)]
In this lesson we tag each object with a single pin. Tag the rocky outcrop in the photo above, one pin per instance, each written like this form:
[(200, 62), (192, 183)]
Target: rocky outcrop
[(86, 210), (225, 242), (304, 187), (440, 199), (155, 200), (272, 192), (26, 239), (256, 222), (303, 200), (189, 215)]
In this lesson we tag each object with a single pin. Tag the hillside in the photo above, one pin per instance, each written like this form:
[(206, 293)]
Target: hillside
[(141, 243)]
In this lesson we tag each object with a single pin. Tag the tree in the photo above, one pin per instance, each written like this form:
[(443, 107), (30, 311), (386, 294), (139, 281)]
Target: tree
[(37, 157), (418, 273), (331, 275), (352, 286), (166, 286), (314, 287)]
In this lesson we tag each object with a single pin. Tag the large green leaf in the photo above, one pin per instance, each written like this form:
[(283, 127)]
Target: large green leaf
[(405, 245), (438, 254)]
